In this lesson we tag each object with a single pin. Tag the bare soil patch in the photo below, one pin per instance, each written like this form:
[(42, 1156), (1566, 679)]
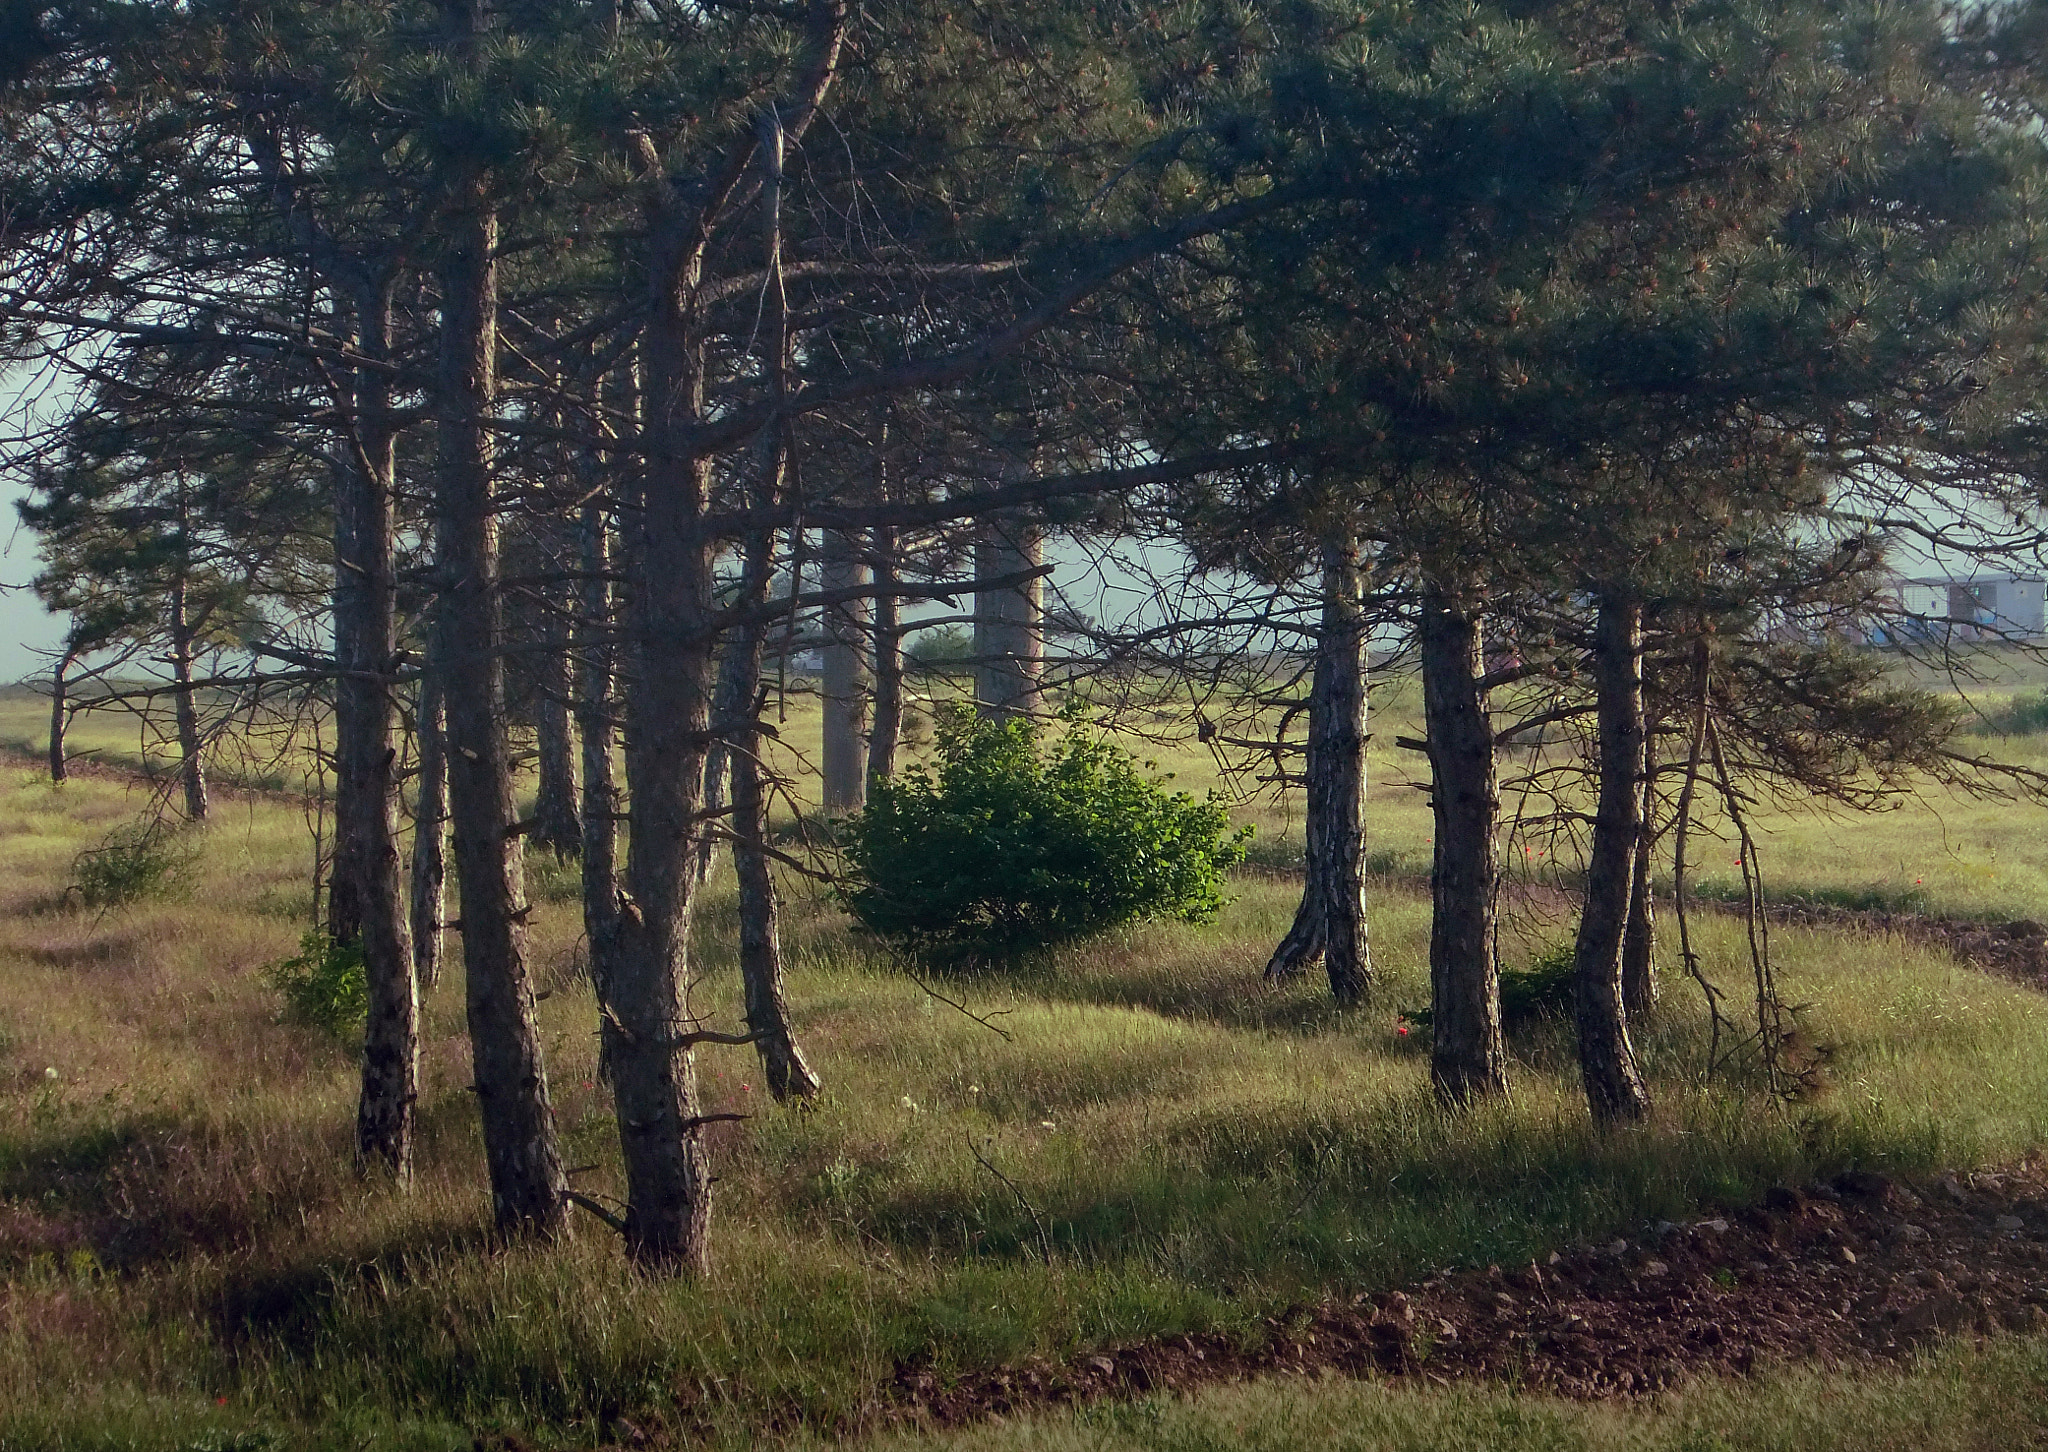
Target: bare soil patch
[(2016, 950), (1861, 1270)]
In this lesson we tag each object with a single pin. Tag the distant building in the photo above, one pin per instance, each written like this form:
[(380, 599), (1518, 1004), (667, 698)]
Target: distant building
[(1979, 607)]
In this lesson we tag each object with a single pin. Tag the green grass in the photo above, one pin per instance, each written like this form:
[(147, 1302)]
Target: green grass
[(272, 759), (1963, 1399), (186, 1257)]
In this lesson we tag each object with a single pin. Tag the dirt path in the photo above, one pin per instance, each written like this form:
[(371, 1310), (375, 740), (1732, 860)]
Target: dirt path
[(222, 785), (1861, 1270), (2016, 950)]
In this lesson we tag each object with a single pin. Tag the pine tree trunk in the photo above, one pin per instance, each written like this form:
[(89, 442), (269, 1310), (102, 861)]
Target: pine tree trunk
[(1303, 943), (788, 1073), (653, 1072), (555, 823), (672, 627), (887, 650), (844, 686), (1639, 942), (191, 765), (60, 716), (1008, 645), (1607, 1059), (1331, 918), (429, 875), (594, 724), (365, 761), (789, 1076), (1468, 1060), (520, 1144), (732, 703), (1340, 796)]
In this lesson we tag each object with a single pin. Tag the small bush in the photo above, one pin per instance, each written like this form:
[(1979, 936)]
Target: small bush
[(1019, 842), (132, 864), (1543, 990), (322, 984), (2025, 715)]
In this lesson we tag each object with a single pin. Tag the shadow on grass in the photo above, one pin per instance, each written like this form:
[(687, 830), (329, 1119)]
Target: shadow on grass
[(288, 1305), (1126, 972), (135, 1193), (1277, 1198), (1235, 998), (151, 1191)]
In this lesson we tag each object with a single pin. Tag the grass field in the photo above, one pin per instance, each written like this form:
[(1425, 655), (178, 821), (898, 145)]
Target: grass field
[(187, 1261), (1965, 1399)]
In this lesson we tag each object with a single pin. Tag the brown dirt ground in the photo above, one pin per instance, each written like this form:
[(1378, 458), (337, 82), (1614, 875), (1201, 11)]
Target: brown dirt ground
[(2016, 950), (1860, 1270)]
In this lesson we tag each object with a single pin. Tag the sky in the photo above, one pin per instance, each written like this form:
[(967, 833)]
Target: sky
[(26, 396), (25, 626)]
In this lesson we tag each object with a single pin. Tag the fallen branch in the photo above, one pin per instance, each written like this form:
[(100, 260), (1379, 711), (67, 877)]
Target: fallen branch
[(578, 1198), (954, 1003)]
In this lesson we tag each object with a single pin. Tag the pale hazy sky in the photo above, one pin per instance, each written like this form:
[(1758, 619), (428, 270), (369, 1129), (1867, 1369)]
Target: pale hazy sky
[(28, 395), (24, 624)]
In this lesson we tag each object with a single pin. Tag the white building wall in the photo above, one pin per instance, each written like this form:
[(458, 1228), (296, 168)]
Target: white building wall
[(2010, 605)]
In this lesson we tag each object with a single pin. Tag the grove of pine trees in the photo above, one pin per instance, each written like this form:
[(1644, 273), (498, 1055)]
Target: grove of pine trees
[(487, 372)]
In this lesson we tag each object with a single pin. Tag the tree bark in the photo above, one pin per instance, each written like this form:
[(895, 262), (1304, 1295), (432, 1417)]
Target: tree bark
[(1331, 918), (886, 729), (368, 899), (672, 627), (60, 716), (1607, 1059), (429, 876), (1468, 1060), (511, 1085), (731, 702), (788, 1073), (1639, 941), (844, 683), (555, 823), (594, 685), (191, 763), (1008, 643), (783, 1064), (668, 701)]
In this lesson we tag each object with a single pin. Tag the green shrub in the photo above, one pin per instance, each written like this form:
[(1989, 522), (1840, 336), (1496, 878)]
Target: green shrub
[(2024, 715), (322, 984), (135, 862), (1544, 989), (1019, 841)]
